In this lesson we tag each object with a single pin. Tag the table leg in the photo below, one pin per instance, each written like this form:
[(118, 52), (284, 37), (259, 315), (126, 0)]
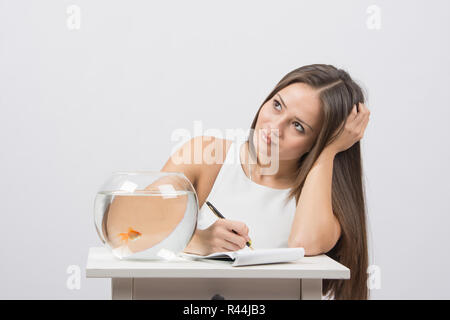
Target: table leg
[(311, 289), (122, 288)]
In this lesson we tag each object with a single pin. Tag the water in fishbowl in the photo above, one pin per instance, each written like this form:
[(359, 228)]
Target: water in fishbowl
[(145, 224)]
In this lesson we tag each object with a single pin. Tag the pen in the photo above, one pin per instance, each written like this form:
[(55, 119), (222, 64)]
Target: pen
[(218, 214)]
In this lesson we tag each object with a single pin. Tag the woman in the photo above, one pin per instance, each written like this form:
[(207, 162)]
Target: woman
[(315, 117)]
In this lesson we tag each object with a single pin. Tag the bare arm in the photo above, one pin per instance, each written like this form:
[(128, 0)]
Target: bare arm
[(217, 237), (315, 227), (192, 172)]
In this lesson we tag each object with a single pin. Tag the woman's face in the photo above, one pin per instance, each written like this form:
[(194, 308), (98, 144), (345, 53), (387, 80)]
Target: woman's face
[(293, 117)]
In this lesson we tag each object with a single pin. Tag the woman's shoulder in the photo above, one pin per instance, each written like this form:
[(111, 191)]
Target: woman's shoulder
[(213, 150), (200, 159)]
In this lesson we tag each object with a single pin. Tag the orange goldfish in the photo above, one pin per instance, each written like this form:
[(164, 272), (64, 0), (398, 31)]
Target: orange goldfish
[(130, 235)]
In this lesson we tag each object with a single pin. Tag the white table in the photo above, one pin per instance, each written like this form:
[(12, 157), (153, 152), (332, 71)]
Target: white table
[(193, 280)]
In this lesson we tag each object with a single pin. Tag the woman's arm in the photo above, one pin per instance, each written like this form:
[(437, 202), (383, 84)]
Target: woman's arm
[(315, 227)]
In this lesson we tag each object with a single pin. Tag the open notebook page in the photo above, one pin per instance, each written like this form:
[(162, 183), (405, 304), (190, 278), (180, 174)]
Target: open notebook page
[(246, 256)]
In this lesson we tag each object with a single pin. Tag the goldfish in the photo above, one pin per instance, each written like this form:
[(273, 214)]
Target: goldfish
[(130, 235)]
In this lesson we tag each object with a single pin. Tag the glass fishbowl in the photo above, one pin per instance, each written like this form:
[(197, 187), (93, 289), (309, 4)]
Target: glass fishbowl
[(146, 215)]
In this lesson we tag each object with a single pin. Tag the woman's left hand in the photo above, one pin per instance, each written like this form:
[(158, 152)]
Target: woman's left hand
[(354, 129)]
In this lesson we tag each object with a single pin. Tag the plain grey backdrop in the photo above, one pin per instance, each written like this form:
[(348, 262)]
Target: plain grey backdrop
[(83, 98)]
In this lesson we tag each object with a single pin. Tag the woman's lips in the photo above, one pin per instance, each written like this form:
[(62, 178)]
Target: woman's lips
[(267, 138)]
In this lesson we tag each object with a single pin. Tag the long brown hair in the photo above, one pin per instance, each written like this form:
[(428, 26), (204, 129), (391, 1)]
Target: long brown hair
[(337, 93)]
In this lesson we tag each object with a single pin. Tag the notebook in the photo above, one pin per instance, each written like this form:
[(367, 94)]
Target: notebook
[(247, 256)]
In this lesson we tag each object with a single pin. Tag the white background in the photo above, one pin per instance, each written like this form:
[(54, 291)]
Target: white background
[(77, 105)]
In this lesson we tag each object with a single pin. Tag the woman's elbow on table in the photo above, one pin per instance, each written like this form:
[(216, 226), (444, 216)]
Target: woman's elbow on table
[(311, 247), (319, 242), (315, 246)]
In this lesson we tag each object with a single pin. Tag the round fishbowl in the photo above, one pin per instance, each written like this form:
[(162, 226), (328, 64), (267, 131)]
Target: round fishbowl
[(146, 215)]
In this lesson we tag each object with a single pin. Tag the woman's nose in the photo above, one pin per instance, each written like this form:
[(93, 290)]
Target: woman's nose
[(275, 128), (274, 133)]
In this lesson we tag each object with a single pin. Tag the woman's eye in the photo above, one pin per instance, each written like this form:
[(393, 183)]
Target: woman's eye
[(299, 127), (276, 104)]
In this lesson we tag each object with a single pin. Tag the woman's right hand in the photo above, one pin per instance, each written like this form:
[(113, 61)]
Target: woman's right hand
[(219, 237)]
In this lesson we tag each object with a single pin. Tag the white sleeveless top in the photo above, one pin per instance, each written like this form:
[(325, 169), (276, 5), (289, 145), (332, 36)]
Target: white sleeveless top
[(260, 207)]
